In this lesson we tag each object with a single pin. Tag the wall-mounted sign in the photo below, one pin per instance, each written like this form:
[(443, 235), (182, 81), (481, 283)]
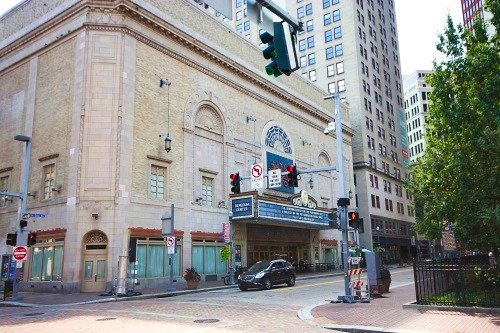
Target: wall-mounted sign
[(274, 162), (242, 207), (272, 210)]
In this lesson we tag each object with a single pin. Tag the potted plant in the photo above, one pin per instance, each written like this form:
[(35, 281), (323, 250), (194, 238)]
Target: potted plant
[(192, 278)]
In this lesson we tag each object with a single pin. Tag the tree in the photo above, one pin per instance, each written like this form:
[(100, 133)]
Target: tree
[(457, 178)]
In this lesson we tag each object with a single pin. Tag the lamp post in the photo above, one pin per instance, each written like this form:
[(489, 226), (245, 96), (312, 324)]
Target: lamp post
[(168, 139), (343, 202), (23, 204), (231, 241)]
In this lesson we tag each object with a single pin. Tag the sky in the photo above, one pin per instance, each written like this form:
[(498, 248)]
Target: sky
[(418, 21)]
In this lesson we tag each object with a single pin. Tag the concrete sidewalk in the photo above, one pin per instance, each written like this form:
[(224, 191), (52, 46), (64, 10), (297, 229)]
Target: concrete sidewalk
[(55, 299), (386, 314)]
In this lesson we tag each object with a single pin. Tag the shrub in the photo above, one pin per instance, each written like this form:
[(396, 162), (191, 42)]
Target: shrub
[(192, 275)]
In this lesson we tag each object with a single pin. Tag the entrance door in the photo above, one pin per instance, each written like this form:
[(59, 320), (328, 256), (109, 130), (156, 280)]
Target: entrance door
[(94, 273), (95, 254)]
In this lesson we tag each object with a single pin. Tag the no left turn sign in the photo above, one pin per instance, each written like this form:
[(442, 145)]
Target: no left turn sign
[(20, 253)]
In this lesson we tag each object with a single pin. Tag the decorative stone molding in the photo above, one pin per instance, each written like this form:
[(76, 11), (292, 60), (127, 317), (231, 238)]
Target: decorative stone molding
[(95, 236), (50, 157), (97, 206), (154, 233), (329, 242), (203, 235)]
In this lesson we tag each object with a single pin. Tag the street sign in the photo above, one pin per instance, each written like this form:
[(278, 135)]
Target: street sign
[(274, 177), (34, 215), (257, 176), (171, 245), (19, 253)]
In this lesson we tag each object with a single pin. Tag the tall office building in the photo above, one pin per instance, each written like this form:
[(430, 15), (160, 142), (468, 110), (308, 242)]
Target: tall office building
[(473, 8), (351, 47), (416, 95)]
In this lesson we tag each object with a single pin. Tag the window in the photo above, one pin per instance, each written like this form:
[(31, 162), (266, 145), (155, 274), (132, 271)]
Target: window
[(329, 70), (246, 25), (326, 4), (157, 183), (336, 15), (302, 45), (327, 19), (311, 58), (49, 174), (239, 28), (300, 12), (4, 186), (205, 258), (239, 15), (303, 61), (310, 42), (153, 259), (328, 36), (329, 53), (239, 3), (309, 25), (337, 32), (309, 9), (207, 185), (312, 75), (340, 67), (331, 87), (47, 260), (341, 85), (339, 50)]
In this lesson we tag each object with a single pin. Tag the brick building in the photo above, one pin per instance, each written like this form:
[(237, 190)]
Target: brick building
[(82, 79)]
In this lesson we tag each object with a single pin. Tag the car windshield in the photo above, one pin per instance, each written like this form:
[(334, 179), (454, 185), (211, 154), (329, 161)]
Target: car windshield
[(257, 267)]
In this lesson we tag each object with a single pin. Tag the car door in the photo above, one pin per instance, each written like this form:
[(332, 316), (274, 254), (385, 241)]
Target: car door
[(275, 273)]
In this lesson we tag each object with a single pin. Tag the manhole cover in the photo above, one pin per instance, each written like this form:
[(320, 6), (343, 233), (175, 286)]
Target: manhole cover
[(104, 319), (206, 321), (33, 314)]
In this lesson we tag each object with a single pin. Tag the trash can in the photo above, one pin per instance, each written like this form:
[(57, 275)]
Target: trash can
[(8, 287)]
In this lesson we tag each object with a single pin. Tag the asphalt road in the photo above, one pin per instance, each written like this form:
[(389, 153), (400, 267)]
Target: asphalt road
[(227, 310)]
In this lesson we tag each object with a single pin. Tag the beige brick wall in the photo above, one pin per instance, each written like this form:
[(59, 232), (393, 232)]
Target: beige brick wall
[(52, 118)]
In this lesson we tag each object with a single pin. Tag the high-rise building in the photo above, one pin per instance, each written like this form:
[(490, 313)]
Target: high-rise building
[(416, 95), (351, 47), (473, 8)]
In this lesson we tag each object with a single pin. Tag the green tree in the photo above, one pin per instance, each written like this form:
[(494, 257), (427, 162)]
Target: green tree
[(457, 178)]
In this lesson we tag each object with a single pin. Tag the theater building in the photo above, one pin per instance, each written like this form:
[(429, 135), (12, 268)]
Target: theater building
[(97, 86)]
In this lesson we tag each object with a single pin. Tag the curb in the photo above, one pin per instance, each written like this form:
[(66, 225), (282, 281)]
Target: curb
[(474, 309), (148, 296), (365, 329)]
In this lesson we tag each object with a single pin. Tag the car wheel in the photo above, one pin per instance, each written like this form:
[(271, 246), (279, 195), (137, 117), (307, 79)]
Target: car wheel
[(243, 288), (267, 284), (291, 281)]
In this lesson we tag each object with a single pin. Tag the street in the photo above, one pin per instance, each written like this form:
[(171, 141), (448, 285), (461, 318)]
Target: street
[(227, 310)]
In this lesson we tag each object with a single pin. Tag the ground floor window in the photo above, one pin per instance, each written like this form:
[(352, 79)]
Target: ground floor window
[(206, 258), (153, 260), (47, 260)]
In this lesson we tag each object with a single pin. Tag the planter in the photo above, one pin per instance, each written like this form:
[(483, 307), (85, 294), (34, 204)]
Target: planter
[(191, 284)]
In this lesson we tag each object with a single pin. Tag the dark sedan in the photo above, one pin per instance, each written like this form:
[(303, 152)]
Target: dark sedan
[(265, 274)]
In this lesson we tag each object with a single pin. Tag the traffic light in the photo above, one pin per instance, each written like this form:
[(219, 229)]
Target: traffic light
[(31, 239), (292, 176), (235, 182), (11, 239), (333, 219), (277, 50), (353, 218), (23, 223)]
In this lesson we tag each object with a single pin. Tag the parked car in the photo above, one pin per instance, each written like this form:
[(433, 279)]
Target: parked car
[(265, 274)]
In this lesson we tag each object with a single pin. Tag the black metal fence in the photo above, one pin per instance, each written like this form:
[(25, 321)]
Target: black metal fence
[(461, 281)]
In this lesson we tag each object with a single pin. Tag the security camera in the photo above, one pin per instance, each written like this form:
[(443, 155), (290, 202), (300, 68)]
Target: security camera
[(326, 131), (331, 127), (95, 215)]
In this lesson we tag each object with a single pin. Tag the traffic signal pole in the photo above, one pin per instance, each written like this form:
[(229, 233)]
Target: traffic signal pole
[(23, 205), (342, 202)]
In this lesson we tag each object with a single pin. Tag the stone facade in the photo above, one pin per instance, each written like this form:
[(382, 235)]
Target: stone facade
[(82, 79)]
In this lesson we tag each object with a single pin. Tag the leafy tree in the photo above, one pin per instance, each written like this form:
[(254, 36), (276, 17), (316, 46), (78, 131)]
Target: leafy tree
[(457, 178)]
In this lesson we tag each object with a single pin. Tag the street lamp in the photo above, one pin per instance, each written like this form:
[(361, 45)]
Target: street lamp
[(168, 139), (378, 236), (343, 202)]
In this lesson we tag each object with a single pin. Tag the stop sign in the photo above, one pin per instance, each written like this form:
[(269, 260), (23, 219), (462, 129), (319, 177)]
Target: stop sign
[(19, 253)]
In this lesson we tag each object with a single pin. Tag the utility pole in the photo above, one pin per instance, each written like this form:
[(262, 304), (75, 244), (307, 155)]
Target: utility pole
[(23, 205), (343, 201), (166, 231)]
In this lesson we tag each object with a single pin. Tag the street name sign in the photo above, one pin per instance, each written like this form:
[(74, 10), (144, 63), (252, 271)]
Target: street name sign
[(19, 253)]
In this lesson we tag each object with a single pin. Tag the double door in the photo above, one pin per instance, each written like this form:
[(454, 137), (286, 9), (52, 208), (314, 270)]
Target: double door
[(94, 273)]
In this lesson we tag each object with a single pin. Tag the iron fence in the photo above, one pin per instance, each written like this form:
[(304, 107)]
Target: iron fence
[(461, 281)]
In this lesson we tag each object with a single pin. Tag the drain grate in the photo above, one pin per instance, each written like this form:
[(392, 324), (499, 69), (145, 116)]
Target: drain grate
[(206, 321), (33, 314), (105, 319)]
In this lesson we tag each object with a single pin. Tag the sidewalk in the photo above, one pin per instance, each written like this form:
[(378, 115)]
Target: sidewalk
[(55, 299), (386, 314)]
